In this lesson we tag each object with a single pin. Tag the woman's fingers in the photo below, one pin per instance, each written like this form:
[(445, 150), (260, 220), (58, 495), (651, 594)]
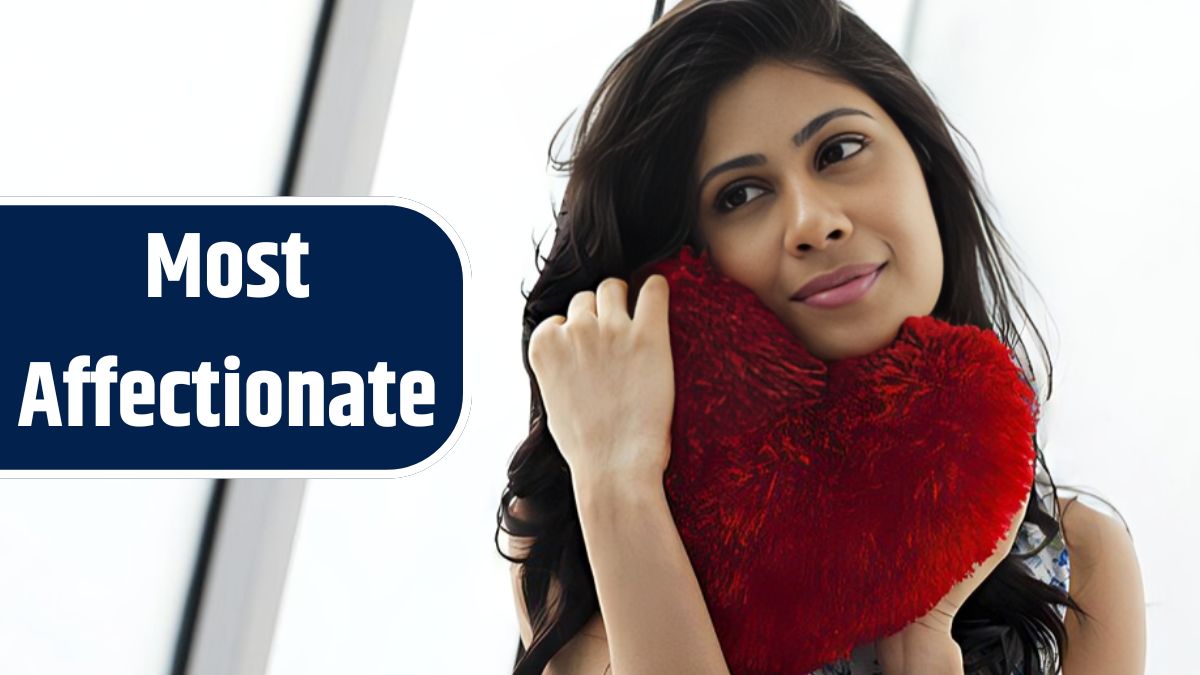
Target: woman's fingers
[(612, 301), (582, 306), (537, 340), (609, 302), (651, 311)]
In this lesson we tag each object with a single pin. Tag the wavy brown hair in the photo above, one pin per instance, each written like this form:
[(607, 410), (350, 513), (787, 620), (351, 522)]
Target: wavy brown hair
[(631, 200)]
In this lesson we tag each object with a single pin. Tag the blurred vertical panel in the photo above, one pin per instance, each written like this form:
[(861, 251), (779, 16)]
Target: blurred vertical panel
[(1079, 112)]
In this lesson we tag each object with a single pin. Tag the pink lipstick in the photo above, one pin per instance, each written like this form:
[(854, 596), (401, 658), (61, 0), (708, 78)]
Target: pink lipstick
[(841, 287)]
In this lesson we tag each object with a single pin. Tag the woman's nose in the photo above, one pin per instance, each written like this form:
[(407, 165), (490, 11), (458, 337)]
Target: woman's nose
[(812, 221)]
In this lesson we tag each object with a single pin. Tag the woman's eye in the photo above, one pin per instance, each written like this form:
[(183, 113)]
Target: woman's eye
[(835, 151), (737, 196)]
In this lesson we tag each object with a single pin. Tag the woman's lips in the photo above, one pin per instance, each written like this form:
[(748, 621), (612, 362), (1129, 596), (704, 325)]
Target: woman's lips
[(845, 293)]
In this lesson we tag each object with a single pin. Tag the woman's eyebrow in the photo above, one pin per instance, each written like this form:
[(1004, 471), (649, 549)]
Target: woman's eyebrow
[(799, 139), (735, 163), (821, 120)]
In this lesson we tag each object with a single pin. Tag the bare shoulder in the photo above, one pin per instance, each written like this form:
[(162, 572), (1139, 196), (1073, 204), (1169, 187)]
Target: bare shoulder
[(1086, 527), (1106, 581), (1097, 542)]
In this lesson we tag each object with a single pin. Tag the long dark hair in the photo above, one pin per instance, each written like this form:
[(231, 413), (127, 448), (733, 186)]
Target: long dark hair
[(631, 200)]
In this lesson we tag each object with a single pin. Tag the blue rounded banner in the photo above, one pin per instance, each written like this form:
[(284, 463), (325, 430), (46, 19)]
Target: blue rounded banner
[(241, 337)]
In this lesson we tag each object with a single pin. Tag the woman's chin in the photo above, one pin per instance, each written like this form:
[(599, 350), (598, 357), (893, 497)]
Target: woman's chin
[(836, 348)]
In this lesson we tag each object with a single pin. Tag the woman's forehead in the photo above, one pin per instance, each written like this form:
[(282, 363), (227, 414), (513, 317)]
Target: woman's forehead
[(770, 103)]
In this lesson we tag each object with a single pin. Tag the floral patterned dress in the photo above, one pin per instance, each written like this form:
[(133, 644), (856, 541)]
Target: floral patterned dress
[(1051, 565)]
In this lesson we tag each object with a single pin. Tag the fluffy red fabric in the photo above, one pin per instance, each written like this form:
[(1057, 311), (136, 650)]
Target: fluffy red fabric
[(827, 504)]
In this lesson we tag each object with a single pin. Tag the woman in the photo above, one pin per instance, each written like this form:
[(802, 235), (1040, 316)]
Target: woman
[(787, 139)]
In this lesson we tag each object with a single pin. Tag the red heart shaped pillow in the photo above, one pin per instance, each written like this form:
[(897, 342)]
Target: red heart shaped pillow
[(827, 504)]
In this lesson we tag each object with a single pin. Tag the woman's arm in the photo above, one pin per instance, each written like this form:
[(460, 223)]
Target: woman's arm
[(1107, 582), (646, 586), (655, 616), (587, 651), (607, 381)]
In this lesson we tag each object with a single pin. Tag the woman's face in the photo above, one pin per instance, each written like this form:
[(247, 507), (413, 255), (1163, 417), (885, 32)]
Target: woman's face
[(791, 189)]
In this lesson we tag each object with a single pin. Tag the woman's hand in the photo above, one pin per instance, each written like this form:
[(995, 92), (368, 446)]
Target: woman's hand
[(607, 381), (925, 645)]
